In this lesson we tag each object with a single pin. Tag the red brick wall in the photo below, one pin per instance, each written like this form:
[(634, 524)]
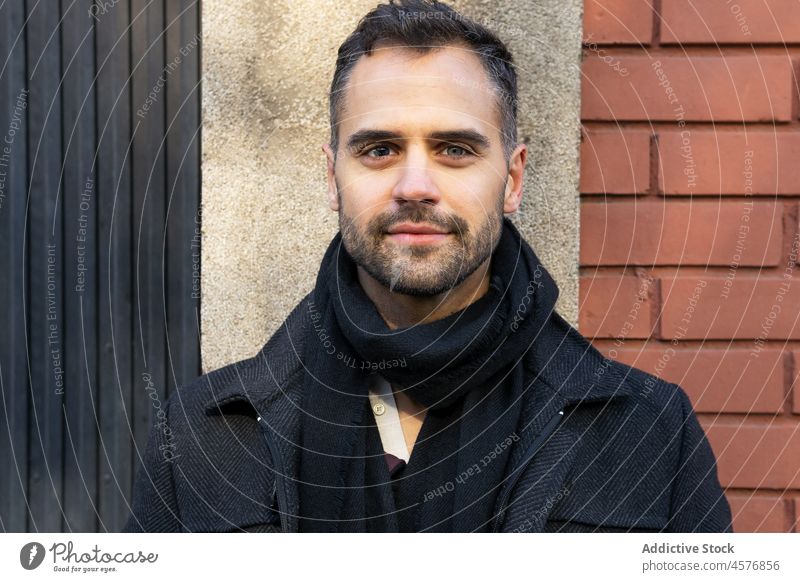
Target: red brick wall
[(690, 195)]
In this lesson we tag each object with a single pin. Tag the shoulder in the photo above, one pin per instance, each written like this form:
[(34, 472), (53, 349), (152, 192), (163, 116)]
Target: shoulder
[(656, 406), (646, 427), (210, 442), (652, 393), (633, 433), (594, 377), (215, 413), (252, 378)]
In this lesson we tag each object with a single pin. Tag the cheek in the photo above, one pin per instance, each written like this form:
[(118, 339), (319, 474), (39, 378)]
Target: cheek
[(475, 198), (364, 195), (360, 208)]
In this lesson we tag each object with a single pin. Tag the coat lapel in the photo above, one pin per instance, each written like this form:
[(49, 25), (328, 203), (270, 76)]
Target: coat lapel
[(565, 371), (547, 469), (281, 415)]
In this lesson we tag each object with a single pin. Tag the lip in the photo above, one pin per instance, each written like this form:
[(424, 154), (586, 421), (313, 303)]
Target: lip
[(413, 228)]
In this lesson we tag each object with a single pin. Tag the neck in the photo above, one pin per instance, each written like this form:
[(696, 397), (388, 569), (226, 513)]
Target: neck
[(399, 310)]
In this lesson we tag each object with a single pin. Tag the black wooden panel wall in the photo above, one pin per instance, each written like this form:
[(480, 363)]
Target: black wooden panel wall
[(99, 227)]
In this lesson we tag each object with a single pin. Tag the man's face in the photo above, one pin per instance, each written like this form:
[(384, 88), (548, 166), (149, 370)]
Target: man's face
[(420, 180)]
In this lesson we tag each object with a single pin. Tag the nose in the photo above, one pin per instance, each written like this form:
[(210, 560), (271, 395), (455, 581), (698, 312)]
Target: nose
[(416, 183)]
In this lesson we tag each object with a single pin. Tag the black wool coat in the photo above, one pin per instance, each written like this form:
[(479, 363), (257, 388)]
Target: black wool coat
[(605, 448)]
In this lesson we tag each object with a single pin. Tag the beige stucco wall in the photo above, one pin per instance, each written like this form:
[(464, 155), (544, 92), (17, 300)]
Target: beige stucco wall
[(267, 68)]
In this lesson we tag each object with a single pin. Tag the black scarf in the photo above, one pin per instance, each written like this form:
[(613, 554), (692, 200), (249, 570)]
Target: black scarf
[(466, 369)]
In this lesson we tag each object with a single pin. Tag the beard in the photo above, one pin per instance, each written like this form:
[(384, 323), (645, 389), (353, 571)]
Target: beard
[(421, 270)]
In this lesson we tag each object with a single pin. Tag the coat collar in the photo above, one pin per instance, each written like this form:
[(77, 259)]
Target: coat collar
[(574, 369), (264, 377)]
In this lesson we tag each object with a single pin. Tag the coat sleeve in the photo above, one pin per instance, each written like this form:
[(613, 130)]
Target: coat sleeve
[(697, 502), (155, 507)]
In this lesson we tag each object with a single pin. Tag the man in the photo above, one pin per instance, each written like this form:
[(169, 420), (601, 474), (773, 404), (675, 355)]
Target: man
[(427, 382)]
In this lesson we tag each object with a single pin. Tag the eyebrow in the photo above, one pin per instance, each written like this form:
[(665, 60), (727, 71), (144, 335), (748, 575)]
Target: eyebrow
[(469, 136)]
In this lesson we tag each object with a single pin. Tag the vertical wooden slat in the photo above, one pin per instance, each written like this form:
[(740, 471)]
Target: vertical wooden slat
[(86, 182), (183, 189), (46, 256), (114, 269), (80, 277), (13, 192), (148, 107)]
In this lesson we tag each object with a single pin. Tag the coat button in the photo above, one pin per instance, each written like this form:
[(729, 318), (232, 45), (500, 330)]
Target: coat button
[(379, 409)]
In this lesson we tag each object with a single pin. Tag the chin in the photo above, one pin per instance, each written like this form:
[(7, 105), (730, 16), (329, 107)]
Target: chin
[(395, 282), (428, 287), (418, 291)]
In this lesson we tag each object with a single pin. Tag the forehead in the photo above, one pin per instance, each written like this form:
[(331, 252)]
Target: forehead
[(443, 87)]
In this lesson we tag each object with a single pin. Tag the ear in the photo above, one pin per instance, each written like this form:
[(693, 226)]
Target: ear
[(333, 196), (516, 171)]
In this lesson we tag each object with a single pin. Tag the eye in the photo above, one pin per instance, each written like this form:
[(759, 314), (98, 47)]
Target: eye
[(380, 151), (456, 151)]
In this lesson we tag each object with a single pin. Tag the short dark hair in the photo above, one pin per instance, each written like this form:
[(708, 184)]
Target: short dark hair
[(424, 25)]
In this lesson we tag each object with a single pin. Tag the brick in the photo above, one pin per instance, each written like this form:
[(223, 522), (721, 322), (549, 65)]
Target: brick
[(728, 162), (615, 162), (716, 380), (796, 382), (610, 304), (704, 88), (764, 513), (740, 307), (680, 232), (742, 21), (796, 525), (617, 21), (754, 455)]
